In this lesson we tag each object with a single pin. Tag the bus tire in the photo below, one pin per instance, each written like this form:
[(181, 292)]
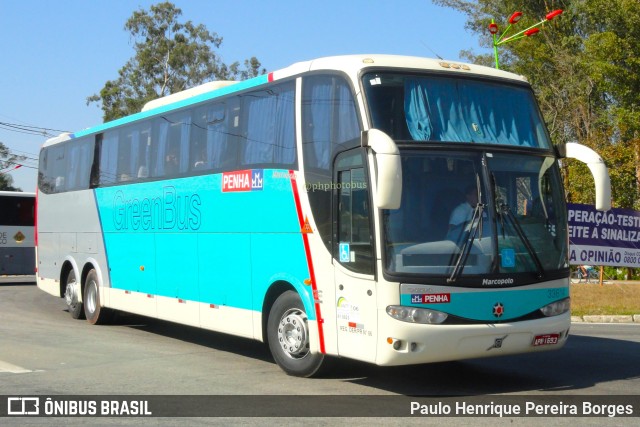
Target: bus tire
[(288, 337), (94, 312), (71, 296)]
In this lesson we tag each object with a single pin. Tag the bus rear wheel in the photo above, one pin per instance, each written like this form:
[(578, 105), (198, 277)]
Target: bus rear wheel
[(71, 291), (94, 312), (288, 337)]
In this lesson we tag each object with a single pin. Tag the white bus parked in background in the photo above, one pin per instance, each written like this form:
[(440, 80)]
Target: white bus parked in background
[(17, 245)]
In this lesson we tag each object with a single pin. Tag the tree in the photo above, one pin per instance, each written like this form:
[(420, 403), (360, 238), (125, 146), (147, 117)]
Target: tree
[(170, 56), (8, 161), (585, 69), (613, 47)]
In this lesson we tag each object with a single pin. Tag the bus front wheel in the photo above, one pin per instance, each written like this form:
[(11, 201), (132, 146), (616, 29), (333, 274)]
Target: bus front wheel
[(95, 313), (288, 336), (71, 291)]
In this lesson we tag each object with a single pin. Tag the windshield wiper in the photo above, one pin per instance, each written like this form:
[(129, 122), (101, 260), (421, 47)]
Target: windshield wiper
[(468, 244), (476, 224), (506, 211), (498, 202)]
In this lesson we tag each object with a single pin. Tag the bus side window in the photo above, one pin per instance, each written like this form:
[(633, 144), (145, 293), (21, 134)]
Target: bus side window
[(108, 158), (140, 138), (330, 124), (268, 129), (212, 145), (171, 151), (58, 164)]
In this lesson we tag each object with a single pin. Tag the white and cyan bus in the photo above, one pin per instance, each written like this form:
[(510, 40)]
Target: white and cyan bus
[(311, 208), (17, 246)]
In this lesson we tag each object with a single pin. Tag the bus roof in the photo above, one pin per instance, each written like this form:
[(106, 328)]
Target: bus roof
[(354, 63), (349, 64)]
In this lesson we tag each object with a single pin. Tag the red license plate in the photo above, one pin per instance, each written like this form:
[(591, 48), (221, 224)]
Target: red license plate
[(548, 339)]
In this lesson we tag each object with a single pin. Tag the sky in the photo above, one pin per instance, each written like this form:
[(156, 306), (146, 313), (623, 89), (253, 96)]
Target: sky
[(55, 54)]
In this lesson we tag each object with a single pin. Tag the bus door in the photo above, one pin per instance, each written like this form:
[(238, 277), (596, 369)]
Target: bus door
[(354, 259)]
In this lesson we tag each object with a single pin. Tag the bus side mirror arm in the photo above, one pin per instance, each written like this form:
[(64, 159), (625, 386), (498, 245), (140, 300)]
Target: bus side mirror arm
[(586, 155), (388, 168)]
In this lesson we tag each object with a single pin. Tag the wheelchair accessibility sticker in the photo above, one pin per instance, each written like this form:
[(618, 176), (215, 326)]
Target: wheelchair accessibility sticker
[(345, 252), (508, 258)]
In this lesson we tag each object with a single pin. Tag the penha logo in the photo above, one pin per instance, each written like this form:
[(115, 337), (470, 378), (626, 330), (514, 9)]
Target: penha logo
[(430, 298), (246, 180)]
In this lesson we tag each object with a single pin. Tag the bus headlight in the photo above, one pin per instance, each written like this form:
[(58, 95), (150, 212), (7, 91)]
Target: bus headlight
[(556, 308), (416, 315)]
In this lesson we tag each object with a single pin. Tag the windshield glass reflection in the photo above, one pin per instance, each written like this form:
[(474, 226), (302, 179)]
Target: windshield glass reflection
[(476, 213), (433, 108)]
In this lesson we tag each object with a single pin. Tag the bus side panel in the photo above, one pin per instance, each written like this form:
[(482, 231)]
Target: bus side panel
[(177, 277), (224, 282), (225, 270), (49, 255), (205, 239), (132, 261), (280, 257), (68, 229)]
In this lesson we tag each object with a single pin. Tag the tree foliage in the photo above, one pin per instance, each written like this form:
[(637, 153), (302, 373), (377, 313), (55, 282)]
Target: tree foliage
[(170, 56), (8, 161), (585, 69)]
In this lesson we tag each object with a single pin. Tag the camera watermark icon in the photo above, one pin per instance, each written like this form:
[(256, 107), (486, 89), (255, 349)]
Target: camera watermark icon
[(23, 406)]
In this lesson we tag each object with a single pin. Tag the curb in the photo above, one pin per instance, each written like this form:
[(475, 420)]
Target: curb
[(635, 318)]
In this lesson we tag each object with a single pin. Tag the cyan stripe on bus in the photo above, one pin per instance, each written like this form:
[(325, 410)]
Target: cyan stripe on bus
[(239, 86), (172, 238), (478, 305)]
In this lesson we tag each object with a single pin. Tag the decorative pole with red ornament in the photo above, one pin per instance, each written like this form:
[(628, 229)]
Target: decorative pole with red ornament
[(528, 32)]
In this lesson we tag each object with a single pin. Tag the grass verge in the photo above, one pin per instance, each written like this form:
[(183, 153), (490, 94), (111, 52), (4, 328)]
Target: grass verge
[(608, 299)]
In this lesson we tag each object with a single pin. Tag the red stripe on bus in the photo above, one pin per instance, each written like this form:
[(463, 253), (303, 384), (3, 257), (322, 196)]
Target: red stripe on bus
[(307, 249)]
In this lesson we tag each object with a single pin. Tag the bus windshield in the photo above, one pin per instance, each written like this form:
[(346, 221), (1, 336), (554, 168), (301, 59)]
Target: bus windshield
[(476, 213), (434, 108)]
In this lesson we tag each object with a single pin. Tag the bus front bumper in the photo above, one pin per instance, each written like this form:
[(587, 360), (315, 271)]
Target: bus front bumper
[(403, 343)]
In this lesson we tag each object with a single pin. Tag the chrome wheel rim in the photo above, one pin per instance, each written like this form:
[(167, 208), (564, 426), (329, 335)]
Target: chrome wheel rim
[(70, 296), (91, 297), (293, 334)]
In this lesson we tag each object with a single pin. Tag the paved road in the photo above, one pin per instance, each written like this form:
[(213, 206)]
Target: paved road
[(43, 351)]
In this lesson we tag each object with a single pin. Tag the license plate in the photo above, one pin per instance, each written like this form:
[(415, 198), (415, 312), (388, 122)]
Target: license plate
[(548, 339)]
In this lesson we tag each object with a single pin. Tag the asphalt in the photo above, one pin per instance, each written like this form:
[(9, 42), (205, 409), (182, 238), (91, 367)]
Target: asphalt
[(635, 318)]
